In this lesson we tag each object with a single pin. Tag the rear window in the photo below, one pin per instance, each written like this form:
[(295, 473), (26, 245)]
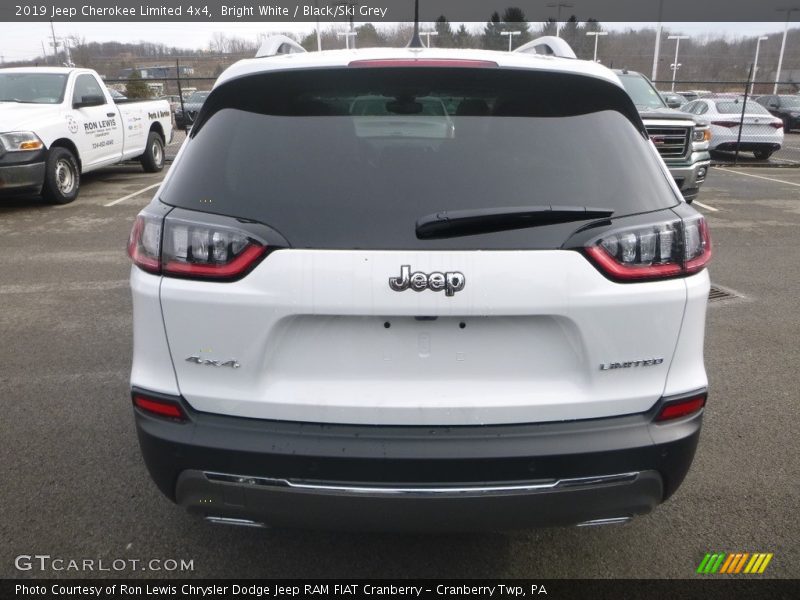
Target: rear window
[(351, 158), (736, 108)]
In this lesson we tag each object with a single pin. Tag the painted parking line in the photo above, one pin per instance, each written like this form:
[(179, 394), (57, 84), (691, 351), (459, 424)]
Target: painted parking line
[(129, 196), (706, 206), (757, 176)]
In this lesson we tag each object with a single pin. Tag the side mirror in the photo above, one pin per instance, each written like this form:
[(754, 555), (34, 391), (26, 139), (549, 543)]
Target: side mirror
[(92, 100)]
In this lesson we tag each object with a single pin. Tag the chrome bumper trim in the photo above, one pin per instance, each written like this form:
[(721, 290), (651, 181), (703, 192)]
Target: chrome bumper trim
[(419, 490)]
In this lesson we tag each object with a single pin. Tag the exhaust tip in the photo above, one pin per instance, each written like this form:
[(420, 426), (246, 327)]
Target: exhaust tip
[(599, 522), (237, 522)]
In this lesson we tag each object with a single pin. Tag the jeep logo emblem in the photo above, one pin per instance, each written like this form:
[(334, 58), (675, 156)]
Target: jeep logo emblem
[(451, 282)]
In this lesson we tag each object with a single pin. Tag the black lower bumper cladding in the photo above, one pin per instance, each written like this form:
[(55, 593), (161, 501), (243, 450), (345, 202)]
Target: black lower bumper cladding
[(257, 472)]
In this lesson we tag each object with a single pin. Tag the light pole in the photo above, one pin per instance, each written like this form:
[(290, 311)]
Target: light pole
[(783, 45), (347, 35), (755, 61), (657, 51), (559, 6), (675, 65), (428, 35), (319, 36), (348, 5), (596, 35), (510, 35)]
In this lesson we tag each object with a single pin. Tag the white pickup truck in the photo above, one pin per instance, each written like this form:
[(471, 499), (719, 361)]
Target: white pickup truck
[(57, 123)]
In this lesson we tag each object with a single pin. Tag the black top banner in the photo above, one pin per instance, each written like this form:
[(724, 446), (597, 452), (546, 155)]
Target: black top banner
[(400, 10)]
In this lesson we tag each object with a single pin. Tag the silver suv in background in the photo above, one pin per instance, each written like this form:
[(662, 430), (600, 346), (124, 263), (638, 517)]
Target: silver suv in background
[(680, 138)]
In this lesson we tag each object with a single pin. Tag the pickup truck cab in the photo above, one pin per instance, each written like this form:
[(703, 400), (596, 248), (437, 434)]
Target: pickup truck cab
[(58, 123)]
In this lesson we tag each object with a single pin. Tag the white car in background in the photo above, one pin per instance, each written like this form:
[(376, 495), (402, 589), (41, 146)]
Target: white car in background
[(761, 134)]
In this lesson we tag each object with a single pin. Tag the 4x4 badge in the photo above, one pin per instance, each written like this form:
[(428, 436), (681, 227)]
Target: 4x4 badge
[(233, 363), (451, 281)]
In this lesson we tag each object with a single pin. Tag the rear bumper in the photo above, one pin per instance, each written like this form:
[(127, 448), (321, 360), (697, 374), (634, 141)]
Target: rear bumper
[(748, 146), (417, 478)]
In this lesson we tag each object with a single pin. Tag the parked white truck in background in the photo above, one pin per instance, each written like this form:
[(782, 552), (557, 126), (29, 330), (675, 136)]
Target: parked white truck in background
[(58, 123)]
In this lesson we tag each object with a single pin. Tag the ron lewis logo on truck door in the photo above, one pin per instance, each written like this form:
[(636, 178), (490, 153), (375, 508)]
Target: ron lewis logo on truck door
[(99, 127)]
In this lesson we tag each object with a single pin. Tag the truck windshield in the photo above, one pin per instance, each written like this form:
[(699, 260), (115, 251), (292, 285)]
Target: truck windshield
[(32, 88), (643, 94)]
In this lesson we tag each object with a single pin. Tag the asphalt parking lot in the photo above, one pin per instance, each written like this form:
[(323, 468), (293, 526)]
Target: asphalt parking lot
[(74, 485)]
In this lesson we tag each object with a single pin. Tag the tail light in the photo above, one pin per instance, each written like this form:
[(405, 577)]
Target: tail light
[(184, 248), (659, 251), (681, 408), (726, 123), (777, 124), (160, 407)]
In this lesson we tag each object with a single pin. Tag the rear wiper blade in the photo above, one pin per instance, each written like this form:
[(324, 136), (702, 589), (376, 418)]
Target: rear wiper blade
[(455, 223)]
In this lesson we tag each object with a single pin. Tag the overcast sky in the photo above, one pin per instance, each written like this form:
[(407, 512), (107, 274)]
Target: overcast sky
[(23, 41)]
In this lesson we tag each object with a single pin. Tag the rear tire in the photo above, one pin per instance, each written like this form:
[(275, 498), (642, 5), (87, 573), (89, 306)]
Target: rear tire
[(762, 154), (62, 177), (153, 157)]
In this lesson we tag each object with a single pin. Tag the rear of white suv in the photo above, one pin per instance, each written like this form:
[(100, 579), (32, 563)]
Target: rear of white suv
[(492, 318)]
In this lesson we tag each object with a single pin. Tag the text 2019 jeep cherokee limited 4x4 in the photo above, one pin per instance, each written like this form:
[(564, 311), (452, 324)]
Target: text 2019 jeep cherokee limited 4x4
[(396, 318)]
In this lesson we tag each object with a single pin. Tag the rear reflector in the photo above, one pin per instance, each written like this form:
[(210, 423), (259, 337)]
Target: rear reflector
[(422, 62), (159, 407), (681, 408)]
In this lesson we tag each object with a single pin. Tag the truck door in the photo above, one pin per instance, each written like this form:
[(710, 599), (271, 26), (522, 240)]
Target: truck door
[(99, 128)]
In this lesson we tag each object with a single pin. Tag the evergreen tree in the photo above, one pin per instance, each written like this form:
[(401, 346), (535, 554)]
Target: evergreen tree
[(514, 20), (444, 37), (136, 87), (463, 38), (492, 38), (549, 27), (368, 37), (571, 30)]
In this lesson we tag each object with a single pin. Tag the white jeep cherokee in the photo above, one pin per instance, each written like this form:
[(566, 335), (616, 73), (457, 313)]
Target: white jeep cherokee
[(397, 318)]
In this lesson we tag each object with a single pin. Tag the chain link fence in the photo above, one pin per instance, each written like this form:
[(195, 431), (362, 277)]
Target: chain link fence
[(749, 122), (182, 82)]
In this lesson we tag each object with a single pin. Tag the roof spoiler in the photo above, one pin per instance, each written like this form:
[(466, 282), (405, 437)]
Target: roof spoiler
[(278, 44), (548, 45)]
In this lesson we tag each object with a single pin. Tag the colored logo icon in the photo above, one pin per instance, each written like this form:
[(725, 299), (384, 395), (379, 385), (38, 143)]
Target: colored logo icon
[(734, 563)]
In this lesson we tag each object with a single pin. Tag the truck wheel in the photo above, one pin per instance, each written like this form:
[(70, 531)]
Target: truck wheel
[(762, 154), (153, 157), (62, 177)]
